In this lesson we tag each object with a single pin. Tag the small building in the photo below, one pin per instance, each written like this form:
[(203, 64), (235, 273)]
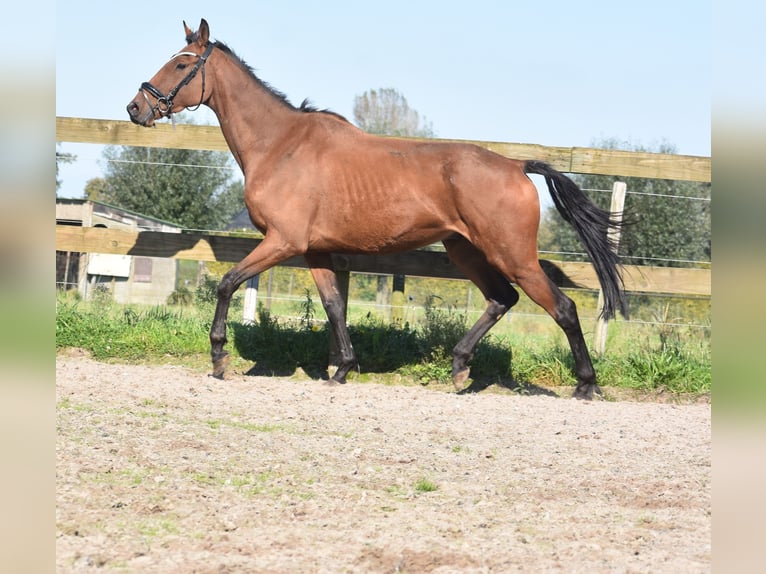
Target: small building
[(128, 279)]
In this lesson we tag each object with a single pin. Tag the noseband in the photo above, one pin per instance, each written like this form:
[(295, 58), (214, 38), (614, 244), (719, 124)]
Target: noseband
[(164, 103)]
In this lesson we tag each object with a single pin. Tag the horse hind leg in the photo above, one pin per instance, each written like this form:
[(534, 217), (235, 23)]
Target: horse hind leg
[(545, 293), (463, 351), (497, 291)]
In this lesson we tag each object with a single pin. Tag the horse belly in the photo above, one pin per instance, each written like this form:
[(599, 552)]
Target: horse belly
[(382, 230), (391, 200)]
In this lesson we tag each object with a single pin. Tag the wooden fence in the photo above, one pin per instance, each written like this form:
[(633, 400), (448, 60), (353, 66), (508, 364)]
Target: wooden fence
[(423, 263), (566, 159), (418, 263)]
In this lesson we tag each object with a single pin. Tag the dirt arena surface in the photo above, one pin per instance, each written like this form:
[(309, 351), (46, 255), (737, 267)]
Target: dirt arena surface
[(164, 470)]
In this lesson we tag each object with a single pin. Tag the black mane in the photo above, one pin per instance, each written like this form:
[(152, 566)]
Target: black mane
[(305, 106), (308, 107)]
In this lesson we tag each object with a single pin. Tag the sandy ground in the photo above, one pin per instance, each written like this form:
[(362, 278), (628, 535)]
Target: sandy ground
[(163, 469)]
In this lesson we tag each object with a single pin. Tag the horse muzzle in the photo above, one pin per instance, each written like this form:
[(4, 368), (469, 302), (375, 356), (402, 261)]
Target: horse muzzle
[(145, 118)]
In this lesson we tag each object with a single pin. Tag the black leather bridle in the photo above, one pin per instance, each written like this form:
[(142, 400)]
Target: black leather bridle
[(164, 103)]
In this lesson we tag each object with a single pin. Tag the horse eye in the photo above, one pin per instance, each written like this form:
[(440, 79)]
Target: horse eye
[(181, 67)]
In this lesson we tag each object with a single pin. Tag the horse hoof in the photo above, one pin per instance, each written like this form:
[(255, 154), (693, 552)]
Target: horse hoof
[(219, 366), (459, 379), (586, 392)]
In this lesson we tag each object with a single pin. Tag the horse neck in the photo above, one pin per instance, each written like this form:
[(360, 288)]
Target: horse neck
[(252, 119)]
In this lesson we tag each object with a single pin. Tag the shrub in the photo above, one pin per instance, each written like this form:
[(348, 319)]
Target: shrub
[(181, 296)]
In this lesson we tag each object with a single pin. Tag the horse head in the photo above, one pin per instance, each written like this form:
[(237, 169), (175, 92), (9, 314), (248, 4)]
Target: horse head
[(179, 84)]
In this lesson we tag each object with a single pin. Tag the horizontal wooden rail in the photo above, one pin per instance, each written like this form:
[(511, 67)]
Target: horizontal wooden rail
[(566, 159), (418, 263)]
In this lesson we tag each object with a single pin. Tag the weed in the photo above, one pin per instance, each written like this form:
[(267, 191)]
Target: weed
[(425, 485), (307, 311), (181, 296), (101, 296), (441, 328), (434, 368), (207, 291)]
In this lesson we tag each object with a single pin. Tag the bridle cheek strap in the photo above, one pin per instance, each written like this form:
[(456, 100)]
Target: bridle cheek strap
[(164, 104)]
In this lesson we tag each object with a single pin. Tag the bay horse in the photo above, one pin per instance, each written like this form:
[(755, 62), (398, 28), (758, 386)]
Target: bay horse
[(315, 185)]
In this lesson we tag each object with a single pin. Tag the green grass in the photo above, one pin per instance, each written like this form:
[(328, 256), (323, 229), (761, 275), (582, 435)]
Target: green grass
[(216, 424), (111, 331), (425, 485), (528, 353)]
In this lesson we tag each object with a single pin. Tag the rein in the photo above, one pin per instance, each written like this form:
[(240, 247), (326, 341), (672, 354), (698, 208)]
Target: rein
[(164, 103)]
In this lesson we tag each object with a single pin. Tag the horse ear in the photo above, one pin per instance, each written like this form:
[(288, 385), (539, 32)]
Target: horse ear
[(203, 34), (187, 30)]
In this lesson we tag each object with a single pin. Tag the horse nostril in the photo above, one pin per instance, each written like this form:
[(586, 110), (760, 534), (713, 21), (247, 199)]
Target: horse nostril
[(132, 108)]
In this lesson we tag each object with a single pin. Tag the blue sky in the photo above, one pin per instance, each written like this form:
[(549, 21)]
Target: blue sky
[(546, 72)]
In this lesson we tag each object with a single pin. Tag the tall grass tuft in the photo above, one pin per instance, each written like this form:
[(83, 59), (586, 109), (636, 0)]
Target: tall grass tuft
[(108, 330)]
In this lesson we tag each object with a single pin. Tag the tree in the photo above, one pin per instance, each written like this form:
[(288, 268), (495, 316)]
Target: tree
[(386, 112), (665, 228), (228, 203), (94, 189), (62, 158), (187, 187)]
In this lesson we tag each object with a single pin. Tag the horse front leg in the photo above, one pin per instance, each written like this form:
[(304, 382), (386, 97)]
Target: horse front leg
[(218, 339), (334, 304), (269, 252)]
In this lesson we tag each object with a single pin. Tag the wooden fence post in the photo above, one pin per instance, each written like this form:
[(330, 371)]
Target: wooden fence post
[(251, 300), (613, 233), (383, 297), (398, 300)]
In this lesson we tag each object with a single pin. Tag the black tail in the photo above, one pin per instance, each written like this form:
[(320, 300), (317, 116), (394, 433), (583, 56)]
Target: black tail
[(591, 224)]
